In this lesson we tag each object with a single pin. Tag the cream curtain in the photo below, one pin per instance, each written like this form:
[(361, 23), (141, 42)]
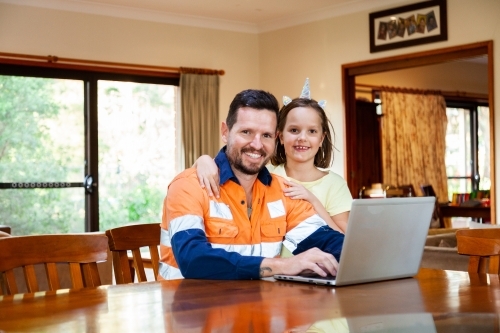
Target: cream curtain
[(200, 115), (413, 139)]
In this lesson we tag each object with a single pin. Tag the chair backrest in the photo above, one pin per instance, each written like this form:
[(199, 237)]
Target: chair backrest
[(80, 251), (133, 238), (483, 247), (5, 228)]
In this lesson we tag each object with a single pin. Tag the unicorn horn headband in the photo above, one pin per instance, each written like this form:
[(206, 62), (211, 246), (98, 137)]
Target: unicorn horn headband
[(306, 93)]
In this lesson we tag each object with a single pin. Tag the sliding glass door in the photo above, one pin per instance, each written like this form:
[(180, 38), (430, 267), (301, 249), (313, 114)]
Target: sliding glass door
[(137, 147), (83, 151)]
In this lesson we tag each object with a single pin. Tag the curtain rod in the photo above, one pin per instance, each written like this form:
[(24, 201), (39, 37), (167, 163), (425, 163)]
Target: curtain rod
[(50, 59), (444, 93)]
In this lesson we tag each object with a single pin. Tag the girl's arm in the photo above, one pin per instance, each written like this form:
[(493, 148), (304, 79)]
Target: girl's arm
[(296, 191), (341, 220), (208, 174)]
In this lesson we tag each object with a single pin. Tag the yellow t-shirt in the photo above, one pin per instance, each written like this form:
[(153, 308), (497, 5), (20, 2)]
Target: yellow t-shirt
[(331, 190)]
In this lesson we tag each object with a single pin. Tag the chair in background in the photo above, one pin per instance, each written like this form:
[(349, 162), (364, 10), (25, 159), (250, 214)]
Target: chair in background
[(428, 191), (483, 247), (133, 238), (4, 232), (80, 251), (5, 228), (408, 190)]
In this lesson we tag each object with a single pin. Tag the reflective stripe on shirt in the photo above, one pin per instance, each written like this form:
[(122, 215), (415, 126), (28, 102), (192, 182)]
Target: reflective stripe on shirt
[(302, 231), (169, 272), (264, 249), (185, 222), (165, 238)]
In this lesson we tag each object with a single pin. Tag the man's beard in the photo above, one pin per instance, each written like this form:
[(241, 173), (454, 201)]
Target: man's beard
[(236, 160)]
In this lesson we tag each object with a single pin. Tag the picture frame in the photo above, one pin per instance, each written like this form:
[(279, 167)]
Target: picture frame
[(415, 24)]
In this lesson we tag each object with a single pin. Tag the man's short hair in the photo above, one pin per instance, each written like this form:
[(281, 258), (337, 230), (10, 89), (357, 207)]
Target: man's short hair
[(255, 99)]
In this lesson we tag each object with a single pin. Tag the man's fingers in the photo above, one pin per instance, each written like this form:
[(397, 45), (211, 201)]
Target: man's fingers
[(321, 262), (329, 263), (316, 269), (331, 267)]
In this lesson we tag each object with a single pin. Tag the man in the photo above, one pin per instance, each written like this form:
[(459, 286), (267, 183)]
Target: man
[(239, 235)]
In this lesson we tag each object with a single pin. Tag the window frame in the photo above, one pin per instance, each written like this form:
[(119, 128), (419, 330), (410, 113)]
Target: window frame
[(472, 106)]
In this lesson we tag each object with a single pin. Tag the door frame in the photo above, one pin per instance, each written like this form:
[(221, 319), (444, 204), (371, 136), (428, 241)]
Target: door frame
[(417, 59)]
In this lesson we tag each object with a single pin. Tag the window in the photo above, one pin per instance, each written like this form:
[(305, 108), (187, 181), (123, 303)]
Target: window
[(136, 150), (467, 147), (84, 151)]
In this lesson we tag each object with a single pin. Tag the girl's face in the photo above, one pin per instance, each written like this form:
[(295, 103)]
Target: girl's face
[(302, 135)]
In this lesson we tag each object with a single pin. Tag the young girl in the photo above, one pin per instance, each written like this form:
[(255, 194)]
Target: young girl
[(304, 147)]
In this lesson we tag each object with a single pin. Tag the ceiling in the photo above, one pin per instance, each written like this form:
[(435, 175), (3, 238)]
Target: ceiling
[(251, 16)]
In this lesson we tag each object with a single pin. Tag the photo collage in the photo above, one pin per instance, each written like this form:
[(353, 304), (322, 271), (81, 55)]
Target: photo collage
[(405, 27)]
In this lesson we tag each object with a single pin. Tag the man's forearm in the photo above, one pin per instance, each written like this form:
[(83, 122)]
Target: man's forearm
[(271, 266), (197, 259)]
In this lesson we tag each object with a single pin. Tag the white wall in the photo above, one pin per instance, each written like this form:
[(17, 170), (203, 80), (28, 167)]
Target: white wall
[(30, 30)]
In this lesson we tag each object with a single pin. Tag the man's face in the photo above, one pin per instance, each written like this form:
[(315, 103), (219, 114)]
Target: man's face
[(250, 143)]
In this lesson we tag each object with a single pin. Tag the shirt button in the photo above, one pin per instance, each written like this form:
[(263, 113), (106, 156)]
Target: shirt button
[(242, 202)]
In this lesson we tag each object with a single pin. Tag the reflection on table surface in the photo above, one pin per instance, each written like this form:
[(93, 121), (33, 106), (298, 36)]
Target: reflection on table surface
[(434, 301)]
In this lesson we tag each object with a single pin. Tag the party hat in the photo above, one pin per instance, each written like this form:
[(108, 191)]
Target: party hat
[(306, 93)]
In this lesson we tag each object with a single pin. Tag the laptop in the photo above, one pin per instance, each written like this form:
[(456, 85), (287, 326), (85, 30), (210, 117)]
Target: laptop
[(385, 240)]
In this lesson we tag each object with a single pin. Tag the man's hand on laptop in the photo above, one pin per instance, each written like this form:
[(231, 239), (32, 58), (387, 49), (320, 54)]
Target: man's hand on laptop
[(314, 260)]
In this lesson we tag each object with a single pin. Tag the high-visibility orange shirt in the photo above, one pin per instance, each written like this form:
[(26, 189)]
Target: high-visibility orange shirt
[(209, 238)]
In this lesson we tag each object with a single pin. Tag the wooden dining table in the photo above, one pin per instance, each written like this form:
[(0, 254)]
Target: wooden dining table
[(433, 301)]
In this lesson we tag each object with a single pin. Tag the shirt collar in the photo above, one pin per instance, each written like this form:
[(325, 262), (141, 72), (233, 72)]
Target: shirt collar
[(226, 173)]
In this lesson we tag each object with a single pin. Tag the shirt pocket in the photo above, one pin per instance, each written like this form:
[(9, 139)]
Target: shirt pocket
[(221, 229), (273, 231)]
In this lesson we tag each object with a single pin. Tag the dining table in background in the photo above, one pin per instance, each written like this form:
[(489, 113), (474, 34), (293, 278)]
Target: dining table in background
[(433, 301)]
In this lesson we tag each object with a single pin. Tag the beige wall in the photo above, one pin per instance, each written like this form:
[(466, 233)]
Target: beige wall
[(30, 30), (318, 50), (464, 76), (277, 61)]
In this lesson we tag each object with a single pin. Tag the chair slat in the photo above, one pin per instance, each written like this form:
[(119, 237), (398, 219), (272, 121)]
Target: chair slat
[(94, 274), (122, 267), (52, 276), (139, 266), (91, 275), (155, 259), (30, 277), (76, 275), (10, 282), (117, 268)]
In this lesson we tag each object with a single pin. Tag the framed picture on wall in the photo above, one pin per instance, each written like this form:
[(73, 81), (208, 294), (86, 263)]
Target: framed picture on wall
[(419, 23)]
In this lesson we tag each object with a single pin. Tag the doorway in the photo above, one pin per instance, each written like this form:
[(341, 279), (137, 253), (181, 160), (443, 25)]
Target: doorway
[(350, 71)]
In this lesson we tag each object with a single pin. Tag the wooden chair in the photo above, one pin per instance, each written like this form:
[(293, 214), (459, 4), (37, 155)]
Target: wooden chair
[(4, 232), (483, 247), (5, 228), (80, 251), (132, 238)]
